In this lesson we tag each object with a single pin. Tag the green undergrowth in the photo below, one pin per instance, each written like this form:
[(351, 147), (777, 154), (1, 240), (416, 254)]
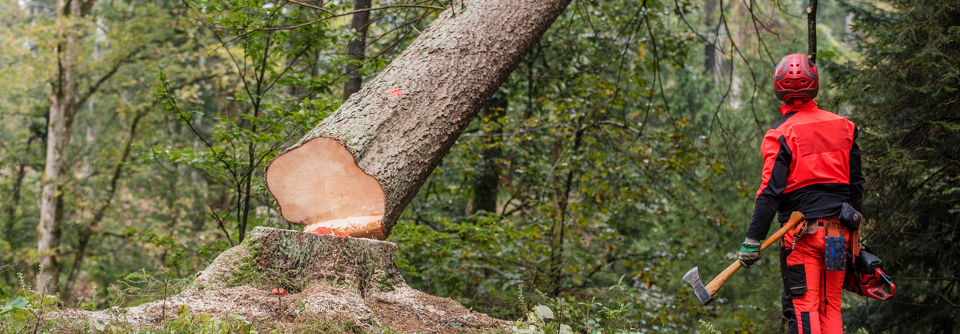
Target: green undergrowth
[(25, 310), (30, 312), (184, 322)]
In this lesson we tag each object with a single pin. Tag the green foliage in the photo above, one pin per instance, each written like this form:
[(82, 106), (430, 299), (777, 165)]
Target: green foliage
[(612, 165), (186, 322), (142, 287), (239, 141), (19, 304), (26, 314), (540, 321), (903, 95), (623, 151)]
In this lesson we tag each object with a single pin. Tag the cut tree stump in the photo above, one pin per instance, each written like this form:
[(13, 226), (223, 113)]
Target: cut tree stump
[(273, 258), (344, 280), (359, 168)]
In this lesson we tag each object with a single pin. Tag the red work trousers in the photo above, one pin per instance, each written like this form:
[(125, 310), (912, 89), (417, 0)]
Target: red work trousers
[(811, 294)]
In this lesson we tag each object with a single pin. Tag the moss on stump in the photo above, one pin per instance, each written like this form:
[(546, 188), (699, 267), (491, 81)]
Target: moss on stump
[(274, 258)]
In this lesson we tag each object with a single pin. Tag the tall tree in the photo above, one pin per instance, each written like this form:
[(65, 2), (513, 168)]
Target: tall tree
[(486, 181), (357, 47), (709, 48), (406, 119), (812, 30), (66, 98), (64, 102)]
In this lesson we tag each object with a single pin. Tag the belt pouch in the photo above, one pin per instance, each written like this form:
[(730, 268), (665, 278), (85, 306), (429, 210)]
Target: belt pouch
[(835, 246), (850, 217)]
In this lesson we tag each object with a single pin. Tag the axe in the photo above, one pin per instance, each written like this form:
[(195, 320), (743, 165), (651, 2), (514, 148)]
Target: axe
[(705, 294)]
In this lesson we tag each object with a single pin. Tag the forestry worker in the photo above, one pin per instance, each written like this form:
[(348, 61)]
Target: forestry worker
[(811, 164)]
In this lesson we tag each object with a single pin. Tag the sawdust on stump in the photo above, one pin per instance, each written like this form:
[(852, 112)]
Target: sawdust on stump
[(328, 276)]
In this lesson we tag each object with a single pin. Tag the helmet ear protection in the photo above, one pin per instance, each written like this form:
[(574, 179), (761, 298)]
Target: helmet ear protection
[(796, 77)]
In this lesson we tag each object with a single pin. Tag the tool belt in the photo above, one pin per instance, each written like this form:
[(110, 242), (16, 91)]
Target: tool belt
[(864, 272), (834, 240), (835, 243)]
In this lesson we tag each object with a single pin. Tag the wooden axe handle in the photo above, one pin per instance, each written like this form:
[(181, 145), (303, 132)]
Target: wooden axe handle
[(715, 285)]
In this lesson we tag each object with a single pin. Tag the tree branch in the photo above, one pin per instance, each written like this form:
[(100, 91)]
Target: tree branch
[(116, 67), (301, 25)]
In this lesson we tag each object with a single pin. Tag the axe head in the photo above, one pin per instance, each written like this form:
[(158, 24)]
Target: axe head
[(693, 277)]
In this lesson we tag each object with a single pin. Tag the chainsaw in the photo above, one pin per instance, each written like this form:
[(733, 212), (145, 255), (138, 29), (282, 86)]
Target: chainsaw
[(867, 278)]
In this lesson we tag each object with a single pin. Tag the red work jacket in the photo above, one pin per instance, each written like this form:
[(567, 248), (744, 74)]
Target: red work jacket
[(811, 164)]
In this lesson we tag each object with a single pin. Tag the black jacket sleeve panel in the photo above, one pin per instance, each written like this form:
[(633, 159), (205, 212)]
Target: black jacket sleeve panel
[(856, 174), (777, 158)]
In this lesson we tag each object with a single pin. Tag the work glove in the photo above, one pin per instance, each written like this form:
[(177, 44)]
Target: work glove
[(749, 252)]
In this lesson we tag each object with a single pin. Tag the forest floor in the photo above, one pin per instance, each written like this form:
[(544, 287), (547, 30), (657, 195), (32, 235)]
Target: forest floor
[(320, 308), (336, 284)]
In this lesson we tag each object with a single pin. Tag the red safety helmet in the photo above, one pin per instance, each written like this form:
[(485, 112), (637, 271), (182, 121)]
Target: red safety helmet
[(796, 77)]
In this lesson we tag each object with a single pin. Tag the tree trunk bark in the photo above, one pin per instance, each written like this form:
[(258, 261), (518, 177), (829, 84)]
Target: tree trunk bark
[(486, 183), (561, 200), (812, 31), (709, 49), (14, 202), (62, 110), (356, 49), (359, 168)]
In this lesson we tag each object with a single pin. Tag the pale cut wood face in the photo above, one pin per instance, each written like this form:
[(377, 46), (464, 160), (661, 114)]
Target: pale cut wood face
[(359, 227), (319, 185)]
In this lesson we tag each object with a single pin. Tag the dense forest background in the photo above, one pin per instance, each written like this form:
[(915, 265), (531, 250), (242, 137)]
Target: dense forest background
[(622, 152)]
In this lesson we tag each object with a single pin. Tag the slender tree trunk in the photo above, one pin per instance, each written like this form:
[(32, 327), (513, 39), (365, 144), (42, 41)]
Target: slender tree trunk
[(62, 110), (561, 197), (247, 192), (709, 50), (87, 232), (65, 100), (486, 182), (305, 63), (357, 47), (368, 160), (812, 30), (14, 202)]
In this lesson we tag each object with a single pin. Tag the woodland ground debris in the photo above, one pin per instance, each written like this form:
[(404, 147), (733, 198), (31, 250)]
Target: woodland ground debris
[(345, 280)]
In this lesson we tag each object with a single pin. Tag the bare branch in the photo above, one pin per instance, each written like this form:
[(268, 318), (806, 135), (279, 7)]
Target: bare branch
[(327, 18), (129, 58)]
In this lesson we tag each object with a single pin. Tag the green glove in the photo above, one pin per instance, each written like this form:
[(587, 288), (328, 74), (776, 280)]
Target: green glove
[(749, 252)]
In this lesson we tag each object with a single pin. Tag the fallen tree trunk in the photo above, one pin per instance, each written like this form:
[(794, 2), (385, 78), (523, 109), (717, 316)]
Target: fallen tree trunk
[(359, 168)]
